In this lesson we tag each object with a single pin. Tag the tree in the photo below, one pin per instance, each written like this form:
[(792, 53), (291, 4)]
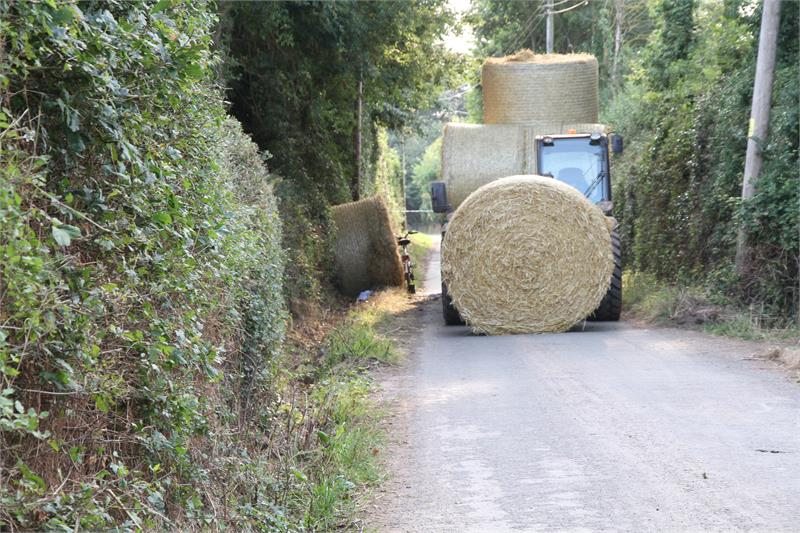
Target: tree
[(304, 70)]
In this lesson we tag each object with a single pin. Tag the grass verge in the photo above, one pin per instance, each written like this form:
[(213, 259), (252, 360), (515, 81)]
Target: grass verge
[(331, 455), (331, 425), (646, 298), (421, 246)]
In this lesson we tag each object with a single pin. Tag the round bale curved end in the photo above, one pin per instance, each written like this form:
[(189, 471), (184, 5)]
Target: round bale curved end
[(526, 254)]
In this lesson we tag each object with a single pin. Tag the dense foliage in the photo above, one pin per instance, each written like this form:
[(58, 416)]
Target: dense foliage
[(140, 267), (677, 79), (685, 113), (145, 378), (294, 71)]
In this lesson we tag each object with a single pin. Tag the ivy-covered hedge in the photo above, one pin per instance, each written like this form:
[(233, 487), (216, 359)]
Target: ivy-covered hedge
[(140, 268), (685, 114)]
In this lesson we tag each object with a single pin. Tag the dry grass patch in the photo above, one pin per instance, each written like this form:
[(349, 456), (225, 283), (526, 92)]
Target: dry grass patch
[(673, 304)]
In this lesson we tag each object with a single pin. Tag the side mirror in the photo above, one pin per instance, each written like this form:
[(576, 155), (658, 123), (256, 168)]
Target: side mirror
[(439, 197), (617, 144)]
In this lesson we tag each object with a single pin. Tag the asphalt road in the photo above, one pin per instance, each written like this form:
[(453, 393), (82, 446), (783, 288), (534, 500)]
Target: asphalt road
[(610, 428)]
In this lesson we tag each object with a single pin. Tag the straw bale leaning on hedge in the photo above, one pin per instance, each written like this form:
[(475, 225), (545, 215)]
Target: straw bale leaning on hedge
[(365, 248)]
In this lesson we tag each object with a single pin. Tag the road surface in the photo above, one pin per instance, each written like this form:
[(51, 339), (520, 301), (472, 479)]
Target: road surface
[(611, 428)]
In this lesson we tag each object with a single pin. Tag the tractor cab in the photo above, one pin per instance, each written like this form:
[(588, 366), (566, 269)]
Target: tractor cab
[(580, 161)]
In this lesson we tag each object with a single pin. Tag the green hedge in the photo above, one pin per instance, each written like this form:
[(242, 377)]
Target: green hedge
[(140, 267), (678, 187)]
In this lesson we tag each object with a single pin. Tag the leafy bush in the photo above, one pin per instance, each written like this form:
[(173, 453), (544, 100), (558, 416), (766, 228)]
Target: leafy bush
[(140, 263), (685, 112)]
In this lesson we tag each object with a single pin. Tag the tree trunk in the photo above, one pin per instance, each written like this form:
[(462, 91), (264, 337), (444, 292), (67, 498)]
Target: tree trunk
[(549, 28), (759, 120), (403, 182), (355, 185), (619, 17)]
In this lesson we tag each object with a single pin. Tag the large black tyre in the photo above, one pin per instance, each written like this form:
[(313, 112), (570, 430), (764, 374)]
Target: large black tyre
[(610, 307), (451, 315)]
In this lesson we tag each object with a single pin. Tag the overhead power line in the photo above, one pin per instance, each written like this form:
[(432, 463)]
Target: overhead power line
[(570, 8), (529, 23), (549, 37), (533, 30)]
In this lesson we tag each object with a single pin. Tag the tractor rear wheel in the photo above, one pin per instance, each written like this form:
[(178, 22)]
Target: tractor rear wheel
[(610, 307), (451, 315)]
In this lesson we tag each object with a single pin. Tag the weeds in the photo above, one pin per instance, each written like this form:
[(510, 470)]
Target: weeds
[(346, 459), (358, 341), (647, 298), (330, 436)]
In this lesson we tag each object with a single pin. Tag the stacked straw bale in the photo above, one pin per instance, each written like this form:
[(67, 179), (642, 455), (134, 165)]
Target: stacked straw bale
[(526, 254), (527, 88), (476, 154), (365, 248)]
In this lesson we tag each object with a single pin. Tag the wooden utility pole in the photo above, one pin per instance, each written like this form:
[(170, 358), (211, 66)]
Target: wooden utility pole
[(549, 27), (403, 182), (759, 118)]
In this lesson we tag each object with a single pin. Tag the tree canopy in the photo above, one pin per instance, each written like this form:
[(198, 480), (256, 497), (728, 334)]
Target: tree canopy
[(313, 82)]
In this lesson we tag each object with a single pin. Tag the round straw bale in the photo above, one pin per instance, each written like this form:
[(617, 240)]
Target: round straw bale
[(476, 154), (365, 249), (526, 254), (527, 87)]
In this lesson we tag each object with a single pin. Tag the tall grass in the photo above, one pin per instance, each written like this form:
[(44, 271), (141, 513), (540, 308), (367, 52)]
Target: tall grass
[(647, 298)]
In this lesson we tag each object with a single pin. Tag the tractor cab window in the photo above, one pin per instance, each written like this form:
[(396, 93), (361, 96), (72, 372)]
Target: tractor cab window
[(578, 163)]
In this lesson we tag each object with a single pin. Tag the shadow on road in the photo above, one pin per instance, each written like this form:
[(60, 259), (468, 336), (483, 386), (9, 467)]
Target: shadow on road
[(425, 312)]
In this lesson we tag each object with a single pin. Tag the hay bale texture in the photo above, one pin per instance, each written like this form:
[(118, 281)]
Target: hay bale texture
[(476, 154), (365, 247), (526, 88), (526, 254)]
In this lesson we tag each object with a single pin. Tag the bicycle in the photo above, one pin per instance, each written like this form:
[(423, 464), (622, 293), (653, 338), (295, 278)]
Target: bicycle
[(408, 266)]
